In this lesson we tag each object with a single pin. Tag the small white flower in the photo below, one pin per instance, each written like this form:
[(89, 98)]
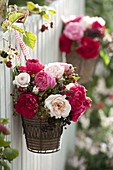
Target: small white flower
[(94, 150), (35, 90), (55, 69), (85, 122), (58, 106), (22, 80), (88, 142), (70, 85), (103, 147)]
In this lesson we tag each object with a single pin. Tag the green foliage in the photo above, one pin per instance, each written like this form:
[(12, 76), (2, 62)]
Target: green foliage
[(102, 8), (13, 17), (4, 120), (32, 7), (18, 29), (19, 14), (10, 154), (105, 57), (95, 129), (4, 165), (29, 39), (7, 154), (23, 2), (43, 11)]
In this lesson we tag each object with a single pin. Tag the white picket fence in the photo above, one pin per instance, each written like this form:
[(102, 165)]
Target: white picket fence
[(46, 50)]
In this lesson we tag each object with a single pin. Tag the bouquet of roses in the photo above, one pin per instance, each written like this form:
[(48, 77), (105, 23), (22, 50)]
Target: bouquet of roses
[(49, 91), (84, 35)]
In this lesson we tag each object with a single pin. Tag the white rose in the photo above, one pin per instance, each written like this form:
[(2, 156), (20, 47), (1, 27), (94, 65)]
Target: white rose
[(22, 80), (85, 22), (35, 90), (58, 106), (99, 19), (55, 69), (70, 85)]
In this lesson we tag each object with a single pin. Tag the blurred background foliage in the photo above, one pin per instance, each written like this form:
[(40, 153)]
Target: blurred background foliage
[(23, 2), (93, 141), (103, 8)]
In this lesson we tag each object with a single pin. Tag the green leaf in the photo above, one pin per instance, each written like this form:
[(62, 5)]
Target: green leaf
[(30, 39), (105, 57), (32, 7), (2, 136), (4, 120), (10, 153), (5, 25), (18, 29), (15, 16), (4, 143), (1, 150), (4, 164), (44, 15), (76, 77), (60, 81), (52, 12)]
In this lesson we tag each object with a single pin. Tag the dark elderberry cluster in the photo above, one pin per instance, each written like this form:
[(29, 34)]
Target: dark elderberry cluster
[(44, 27), (93, 33), (4, 55)]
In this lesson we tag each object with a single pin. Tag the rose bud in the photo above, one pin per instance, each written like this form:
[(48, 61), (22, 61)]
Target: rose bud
[(9, 64), (4, 130)]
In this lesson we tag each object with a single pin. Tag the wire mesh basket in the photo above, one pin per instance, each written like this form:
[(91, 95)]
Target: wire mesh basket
[(42, 137)]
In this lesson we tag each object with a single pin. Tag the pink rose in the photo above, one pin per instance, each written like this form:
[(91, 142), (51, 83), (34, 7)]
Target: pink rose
[(34, 66), (43, 80), (67, 67), (74, 31), (65, 44), (27, 105), (55, 70)]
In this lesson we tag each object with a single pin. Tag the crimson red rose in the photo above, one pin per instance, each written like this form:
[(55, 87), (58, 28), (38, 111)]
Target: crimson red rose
[(22, 68), (97, 26), (87, 103), (79, 91), (76, 115), (77, 19), (34, 66), (65, 44), (77, 97), (89, 48), (78, 101), (27, 105)]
